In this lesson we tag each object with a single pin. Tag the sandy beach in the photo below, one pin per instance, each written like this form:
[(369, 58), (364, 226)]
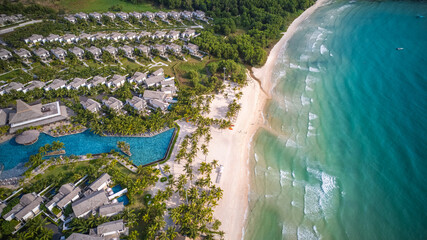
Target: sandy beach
[(265, 72), (232, 147)]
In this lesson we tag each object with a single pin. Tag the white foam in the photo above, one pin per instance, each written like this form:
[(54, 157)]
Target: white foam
[(291, 143), (323, 49), (310, 134), (305, 100), (312, 116), (305, 233), (307, 88), (256, 157), (312, 208), (294, 66), (304, 58), (328, 182), (313, 69), (309, 79), (316, 173)]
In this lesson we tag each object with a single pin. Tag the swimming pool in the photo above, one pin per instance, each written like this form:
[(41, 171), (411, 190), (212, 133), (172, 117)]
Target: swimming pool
[(144, 149), (124, 199), (116, 188)]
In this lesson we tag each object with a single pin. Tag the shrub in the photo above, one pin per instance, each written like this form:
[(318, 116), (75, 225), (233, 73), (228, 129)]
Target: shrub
[(163, 179)]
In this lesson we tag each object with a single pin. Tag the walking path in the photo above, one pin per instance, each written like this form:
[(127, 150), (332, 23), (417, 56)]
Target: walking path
[(11, 29)]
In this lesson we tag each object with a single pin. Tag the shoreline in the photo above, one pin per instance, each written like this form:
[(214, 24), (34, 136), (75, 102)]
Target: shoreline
[(232, 148)]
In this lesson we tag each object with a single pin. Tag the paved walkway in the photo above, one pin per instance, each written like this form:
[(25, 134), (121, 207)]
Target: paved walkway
[(11, 29)]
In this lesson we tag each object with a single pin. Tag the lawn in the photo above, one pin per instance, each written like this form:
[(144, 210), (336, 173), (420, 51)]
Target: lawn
[(182, 68), (16, 76), (103, 6)]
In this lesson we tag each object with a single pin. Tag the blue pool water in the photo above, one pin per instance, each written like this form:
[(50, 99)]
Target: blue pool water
[(116, 188), (124, 199), (144, 149)]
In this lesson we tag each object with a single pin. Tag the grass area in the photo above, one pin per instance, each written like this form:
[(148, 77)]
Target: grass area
[(102, 6), (182, 68), (130, 65), (17, 75)]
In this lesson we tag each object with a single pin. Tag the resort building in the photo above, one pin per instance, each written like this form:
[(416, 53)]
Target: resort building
[(77, 83), (137, 15), (95, 15), (173, 35), (97, 80), (123, 16), (158, 72), (52, 38), (186, 15), (188, 33), (78, 52), (199, 15), (79, 236), (27, 208), (192, 48), (70, 38), (138, 78), (112, 50), (100, 183), (70, 18), (113, 103), (130, 36), (23, 53), (115, 228), (3, 121), (144, 50), (111, 209), (41, 53), (96, 52), (59, 53), (159, 48), (128, 51), (100, 36), (36, 115), (154, 80), (151, 95), (89, 203), (55, 85), (35, 38), (5, 54), (174, 48), (149, 15), (168, 82), (13, 86), (116, 81), (110, 15), (85, 36), (155, 104), (169, 90), (33, 85), (67, 193), (158, 35), (137, 103), (144, 34), (91, 105), (174, 15), (82, 16), (116, 37)]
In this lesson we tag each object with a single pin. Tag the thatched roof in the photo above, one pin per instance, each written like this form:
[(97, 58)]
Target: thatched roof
[(28, 137)]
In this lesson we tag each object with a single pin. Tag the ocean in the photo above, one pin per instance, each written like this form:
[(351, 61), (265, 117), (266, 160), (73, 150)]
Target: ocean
[(344, 154)]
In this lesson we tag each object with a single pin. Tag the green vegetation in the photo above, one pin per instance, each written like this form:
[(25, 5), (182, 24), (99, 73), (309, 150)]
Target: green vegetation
[(103, 6), (17, 75), (125, 147)]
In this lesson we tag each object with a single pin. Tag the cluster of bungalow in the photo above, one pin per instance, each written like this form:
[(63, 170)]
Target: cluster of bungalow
[(150, 16), (151, 99), (115, 36), (60, 53), (6, 20), (95, 199)]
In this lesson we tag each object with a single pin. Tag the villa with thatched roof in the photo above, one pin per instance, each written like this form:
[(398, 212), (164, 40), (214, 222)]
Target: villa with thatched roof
[(28, 137), (36, 115)]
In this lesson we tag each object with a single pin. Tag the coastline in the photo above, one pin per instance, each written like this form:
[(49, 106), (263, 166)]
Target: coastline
[(232, 148)]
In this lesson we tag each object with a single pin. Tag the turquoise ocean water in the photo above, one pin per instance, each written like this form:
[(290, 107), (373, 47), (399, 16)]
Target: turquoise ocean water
[(344, 154)]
